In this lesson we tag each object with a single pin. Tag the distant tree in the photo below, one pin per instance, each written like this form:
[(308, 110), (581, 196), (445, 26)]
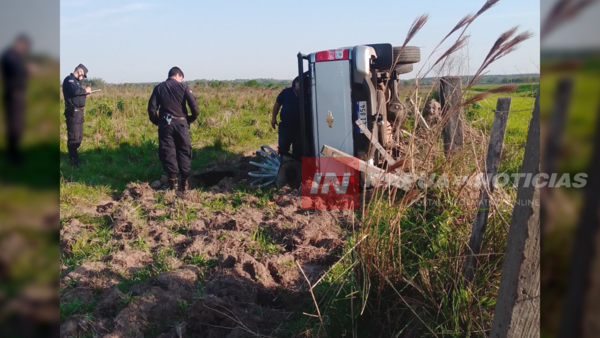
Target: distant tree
[(251, 83), (95, 82), (505, 80)]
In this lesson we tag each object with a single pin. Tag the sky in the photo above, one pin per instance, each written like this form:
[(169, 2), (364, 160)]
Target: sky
[(37, 19), (139, 41), (580, 33)]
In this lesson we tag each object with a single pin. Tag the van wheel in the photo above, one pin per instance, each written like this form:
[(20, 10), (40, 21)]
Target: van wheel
[(410, 54), (403, 68)]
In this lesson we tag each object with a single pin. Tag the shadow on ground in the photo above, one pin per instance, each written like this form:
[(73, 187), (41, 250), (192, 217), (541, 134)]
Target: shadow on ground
[(36, 170), (116, 167)]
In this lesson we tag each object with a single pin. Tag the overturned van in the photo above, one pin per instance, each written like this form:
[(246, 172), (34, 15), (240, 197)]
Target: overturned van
[(347, 84)]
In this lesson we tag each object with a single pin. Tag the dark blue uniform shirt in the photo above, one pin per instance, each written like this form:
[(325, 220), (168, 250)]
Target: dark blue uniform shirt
[(170, 97), (14, 70), (290, 110), (73, 92)]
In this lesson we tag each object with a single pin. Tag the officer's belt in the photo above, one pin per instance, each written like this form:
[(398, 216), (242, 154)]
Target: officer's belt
[(176, 118)]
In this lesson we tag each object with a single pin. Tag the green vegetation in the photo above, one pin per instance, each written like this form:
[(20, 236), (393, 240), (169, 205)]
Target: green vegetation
[(560, 232), (481, 114), (28, 195), (75, 307), (408, 265), (236, 199), (415, 275), (201, 261), (161, 263), (90, 245), (120, 144), (579, 129), (263, 243), (203, 83), (486, 79)]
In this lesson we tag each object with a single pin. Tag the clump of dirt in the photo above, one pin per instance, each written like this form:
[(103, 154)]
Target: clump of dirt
[(224, 185), (105, 207), (283, 270), (69, 233), (213, 273), (138, 191), (110, 301)]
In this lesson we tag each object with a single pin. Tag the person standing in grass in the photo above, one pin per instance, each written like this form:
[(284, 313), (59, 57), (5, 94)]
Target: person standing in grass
[(167, 110), (15, 74), (75, 96), (289, 125)]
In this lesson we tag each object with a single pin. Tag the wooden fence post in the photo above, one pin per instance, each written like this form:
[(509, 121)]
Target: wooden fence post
[(517, 312), (580, 312), (552, 145), (451, 101), (492, 163), (556, 126)]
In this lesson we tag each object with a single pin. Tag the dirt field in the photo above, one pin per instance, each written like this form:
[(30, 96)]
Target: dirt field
[(138, 261), (223, 274)]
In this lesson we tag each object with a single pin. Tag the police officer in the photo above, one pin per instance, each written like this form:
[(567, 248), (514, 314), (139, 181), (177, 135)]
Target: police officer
[(167, 110), (75, 96), (15, 73), (289, 126)]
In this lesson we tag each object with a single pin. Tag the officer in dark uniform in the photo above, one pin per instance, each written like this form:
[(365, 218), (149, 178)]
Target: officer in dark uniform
[(167, 110), (75, 96), (15, 74), (289, 126)]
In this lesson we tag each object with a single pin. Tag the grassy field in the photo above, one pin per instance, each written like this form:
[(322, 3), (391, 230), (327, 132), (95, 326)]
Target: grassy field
[(120, 144), (522, 101), (564, 204), (29, 213), (411, 284)]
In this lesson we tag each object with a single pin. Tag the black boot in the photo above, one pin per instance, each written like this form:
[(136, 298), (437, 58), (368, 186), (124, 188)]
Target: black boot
[(14, 154), (73, 157), (172, 181), (184, 184)]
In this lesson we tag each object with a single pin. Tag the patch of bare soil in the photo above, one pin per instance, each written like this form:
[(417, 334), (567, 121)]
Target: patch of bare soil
[(216, 274)]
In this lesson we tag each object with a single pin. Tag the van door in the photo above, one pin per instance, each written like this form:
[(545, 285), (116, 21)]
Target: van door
[(333, 118)]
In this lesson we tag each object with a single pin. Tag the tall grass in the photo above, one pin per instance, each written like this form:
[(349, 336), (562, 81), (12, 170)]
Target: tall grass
[(405, 275), (400, 274)]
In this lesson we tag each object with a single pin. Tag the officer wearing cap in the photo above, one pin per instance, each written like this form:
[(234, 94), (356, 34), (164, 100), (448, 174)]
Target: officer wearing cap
[(15, 74), (167, 110), (75, 96)]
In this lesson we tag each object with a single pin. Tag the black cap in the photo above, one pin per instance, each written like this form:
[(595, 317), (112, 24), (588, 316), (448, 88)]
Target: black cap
[(85, 70)]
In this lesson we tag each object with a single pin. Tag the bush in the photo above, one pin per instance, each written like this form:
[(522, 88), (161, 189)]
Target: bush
[(251, 83), (96, 82)]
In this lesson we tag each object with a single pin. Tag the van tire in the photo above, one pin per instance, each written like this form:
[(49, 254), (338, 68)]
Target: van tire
[(403, 68), (410, 54)]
